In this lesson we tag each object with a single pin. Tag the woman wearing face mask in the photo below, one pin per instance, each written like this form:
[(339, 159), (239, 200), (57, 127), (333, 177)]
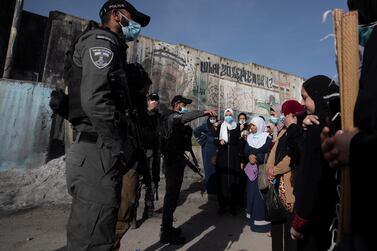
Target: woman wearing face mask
[(228, 170), (315, 183), (282, 164), (277, 119), (244, 128), (258, 145), (242, 121), (207, 136)]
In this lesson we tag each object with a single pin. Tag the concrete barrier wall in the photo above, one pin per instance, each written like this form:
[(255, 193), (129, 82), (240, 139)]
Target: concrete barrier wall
[(25, 123), (212, 81)]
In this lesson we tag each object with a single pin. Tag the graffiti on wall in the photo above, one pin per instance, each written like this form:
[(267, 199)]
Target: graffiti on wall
[(176, 70), (237, 73)]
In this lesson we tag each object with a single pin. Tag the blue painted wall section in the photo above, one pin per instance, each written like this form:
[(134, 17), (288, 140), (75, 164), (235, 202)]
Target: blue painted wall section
[(24, 125)]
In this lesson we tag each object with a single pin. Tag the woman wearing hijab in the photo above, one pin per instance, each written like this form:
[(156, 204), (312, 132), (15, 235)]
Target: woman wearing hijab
[(228, 169), (357, 149), (242, 121), (207, 136), (276, 118), (282, 164), (258, 145), (315, 183)]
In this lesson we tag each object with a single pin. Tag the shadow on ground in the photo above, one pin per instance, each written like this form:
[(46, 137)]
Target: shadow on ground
[(207, 231)]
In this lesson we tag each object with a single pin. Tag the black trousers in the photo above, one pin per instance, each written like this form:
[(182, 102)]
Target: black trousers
[(174, 170), (281, 237)]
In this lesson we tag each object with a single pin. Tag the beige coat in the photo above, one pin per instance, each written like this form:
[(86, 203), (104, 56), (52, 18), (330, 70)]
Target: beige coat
[(283, 167)]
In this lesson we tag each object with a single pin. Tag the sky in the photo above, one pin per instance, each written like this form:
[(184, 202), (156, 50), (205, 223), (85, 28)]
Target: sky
[(281, 34)]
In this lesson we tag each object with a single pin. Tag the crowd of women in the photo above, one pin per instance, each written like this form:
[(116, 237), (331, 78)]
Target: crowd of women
[(301, 150), (238, 152)]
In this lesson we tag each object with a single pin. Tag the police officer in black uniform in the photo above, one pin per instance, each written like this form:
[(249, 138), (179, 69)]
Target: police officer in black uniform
[(173, 149), (150, 128), (97, 159)]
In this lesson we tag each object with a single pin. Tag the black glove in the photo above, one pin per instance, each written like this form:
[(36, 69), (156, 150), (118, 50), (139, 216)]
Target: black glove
[(59, 103)]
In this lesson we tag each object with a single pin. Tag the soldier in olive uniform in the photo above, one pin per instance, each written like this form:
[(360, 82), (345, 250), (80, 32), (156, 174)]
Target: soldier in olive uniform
[(97, 160)]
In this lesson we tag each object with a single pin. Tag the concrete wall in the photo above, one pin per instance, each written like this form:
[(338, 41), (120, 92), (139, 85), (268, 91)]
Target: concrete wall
[(6, 17), (211, 80), (24, 125), (29, 47), (62, 29)]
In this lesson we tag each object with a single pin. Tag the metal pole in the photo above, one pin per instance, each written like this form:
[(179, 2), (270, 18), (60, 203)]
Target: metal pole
[(218, 98), (12, 38)]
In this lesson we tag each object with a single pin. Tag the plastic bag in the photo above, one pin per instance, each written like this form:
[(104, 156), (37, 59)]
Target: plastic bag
[(275, 211), (263, 182)]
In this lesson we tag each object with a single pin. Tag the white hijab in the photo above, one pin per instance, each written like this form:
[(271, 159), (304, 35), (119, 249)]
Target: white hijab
[(225, 126), (258, 139)]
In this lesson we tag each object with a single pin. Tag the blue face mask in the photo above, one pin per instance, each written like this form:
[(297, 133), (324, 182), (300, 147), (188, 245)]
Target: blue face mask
[(364, 33), (183, 110), (228, 119), (131, 31), (274, 120)]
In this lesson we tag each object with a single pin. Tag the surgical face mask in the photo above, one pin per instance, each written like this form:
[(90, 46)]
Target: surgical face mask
[(364, 33), (274, 120), (228, 119), (183, 110), (131, 31), (212, 121), (242, 121)]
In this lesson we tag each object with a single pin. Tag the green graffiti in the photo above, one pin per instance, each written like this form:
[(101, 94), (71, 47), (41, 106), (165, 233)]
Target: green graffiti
[(199, 91), (263, 105)]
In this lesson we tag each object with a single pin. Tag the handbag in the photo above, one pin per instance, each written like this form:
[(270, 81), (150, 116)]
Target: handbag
[(275, 211), (251, 171), (263, 182), (282, 196)]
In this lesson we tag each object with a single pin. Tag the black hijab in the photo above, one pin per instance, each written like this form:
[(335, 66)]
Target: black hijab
[(325, 94), (367, 10), (315, 185)]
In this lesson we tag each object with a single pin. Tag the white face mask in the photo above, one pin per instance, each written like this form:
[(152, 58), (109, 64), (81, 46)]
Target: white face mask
[(212, 121), (242, 121)]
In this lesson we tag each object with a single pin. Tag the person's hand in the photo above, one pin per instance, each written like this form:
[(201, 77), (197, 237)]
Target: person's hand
[(211, 113), (252, 159), (242, 166), (222, 142), (336, 148), (310, 120), (325, 134), (217, 123), (296, 235), (244, 134), (270, 173), (152, 105)]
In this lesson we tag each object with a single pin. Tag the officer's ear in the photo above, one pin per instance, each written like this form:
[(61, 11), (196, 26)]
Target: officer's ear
[(115, 15)]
